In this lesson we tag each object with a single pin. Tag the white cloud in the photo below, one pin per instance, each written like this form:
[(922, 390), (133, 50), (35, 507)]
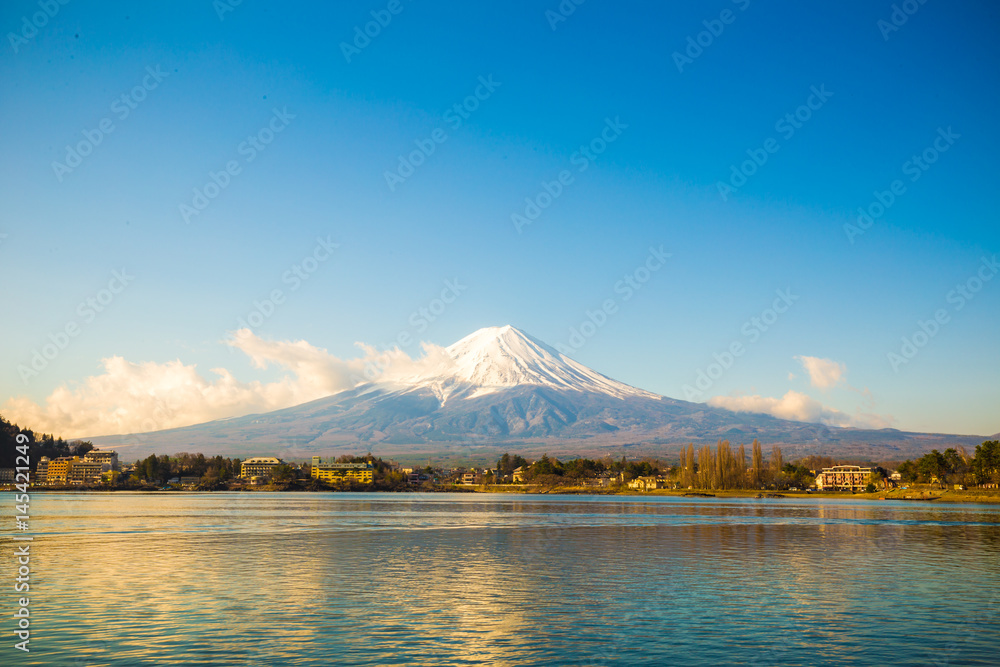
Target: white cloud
[(823, 373), (396, 366), (131, 397), (797, 406)]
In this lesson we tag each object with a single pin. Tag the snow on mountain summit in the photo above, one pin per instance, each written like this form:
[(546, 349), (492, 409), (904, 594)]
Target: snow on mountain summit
[(496, 357)]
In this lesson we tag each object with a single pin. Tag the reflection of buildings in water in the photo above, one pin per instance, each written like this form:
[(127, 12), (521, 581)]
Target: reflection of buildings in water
[(355, 576)]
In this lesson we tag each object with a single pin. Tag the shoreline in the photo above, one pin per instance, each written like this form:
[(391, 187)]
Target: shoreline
[(985, 496), (915, 495)]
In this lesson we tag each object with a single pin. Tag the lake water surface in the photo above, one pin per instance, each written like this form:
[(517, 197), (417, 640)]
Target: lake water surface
[(443, 579)]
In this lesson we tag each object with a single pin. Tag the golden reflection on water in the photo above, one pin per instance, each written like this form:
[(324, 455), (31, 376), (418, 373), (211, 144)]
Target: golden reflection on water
[(320, 579)]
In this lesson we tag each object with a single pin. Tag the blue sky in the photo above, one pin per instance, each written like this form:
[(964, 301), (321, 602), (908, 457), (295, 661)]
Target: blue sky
[(336, 124)]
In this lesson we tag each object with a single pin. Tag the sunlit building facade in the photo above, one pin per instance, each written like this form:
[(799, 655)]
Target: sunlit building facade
[(85, 472), (58, 470), (68, 470), (42, 471), (108, 457), (258, 466), (843, 478), (339, 472)]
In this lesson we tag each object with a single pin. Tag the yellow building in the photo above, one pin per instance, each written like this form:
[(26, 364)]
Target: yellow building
[(339, 472), (69, 470), (58, 470)]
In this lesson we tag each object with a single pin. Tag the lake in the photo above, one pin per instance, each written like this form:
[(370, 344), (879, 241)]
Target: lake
[(466, 579)]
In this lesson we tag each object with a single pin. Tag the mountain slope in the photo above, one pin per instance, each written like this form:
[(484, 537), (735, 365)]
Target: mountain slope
[(500, 388)]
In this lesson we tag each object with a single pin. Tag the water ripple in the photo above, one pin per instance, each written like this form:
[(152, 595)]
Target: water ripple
[(441, 579)]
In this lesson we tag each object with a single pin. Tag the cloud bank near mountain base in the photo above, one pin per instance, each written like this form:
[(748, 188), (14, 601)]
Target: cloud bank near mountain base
[(129, 397)]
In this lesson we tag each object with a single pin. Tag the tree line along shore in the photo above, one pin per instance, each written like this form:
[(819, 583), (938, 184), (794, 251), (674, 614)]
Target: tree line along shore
[(724, 470)]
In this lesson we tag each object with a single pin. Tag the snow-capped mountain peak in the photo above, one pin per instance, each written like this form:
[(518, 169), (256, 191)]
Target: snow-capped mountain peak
[(496, 357), (501, 385)]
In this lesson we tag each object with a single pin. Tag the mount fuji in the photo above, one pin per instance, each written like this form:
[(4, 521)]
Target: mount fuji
[(501, 389), (495, 359)]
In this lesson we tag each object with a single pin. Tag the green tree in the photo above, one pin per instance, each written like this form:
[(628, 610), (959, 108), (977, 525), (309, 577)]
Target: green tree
[(956, 465), (797, 475), (80, 448), (931, 466), (545, 466), (985, 464), (164, 469), (635, 469), (503, 465), (508, 464), (583, 468), (283, 474), (908, 472)]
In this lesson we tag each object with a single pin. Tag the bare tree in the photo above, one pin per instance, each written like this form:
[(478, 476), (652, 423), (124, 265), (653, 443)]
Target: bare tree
[(741, 468), (777, 463), (757, 465), (688, 474), (706, 468)]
